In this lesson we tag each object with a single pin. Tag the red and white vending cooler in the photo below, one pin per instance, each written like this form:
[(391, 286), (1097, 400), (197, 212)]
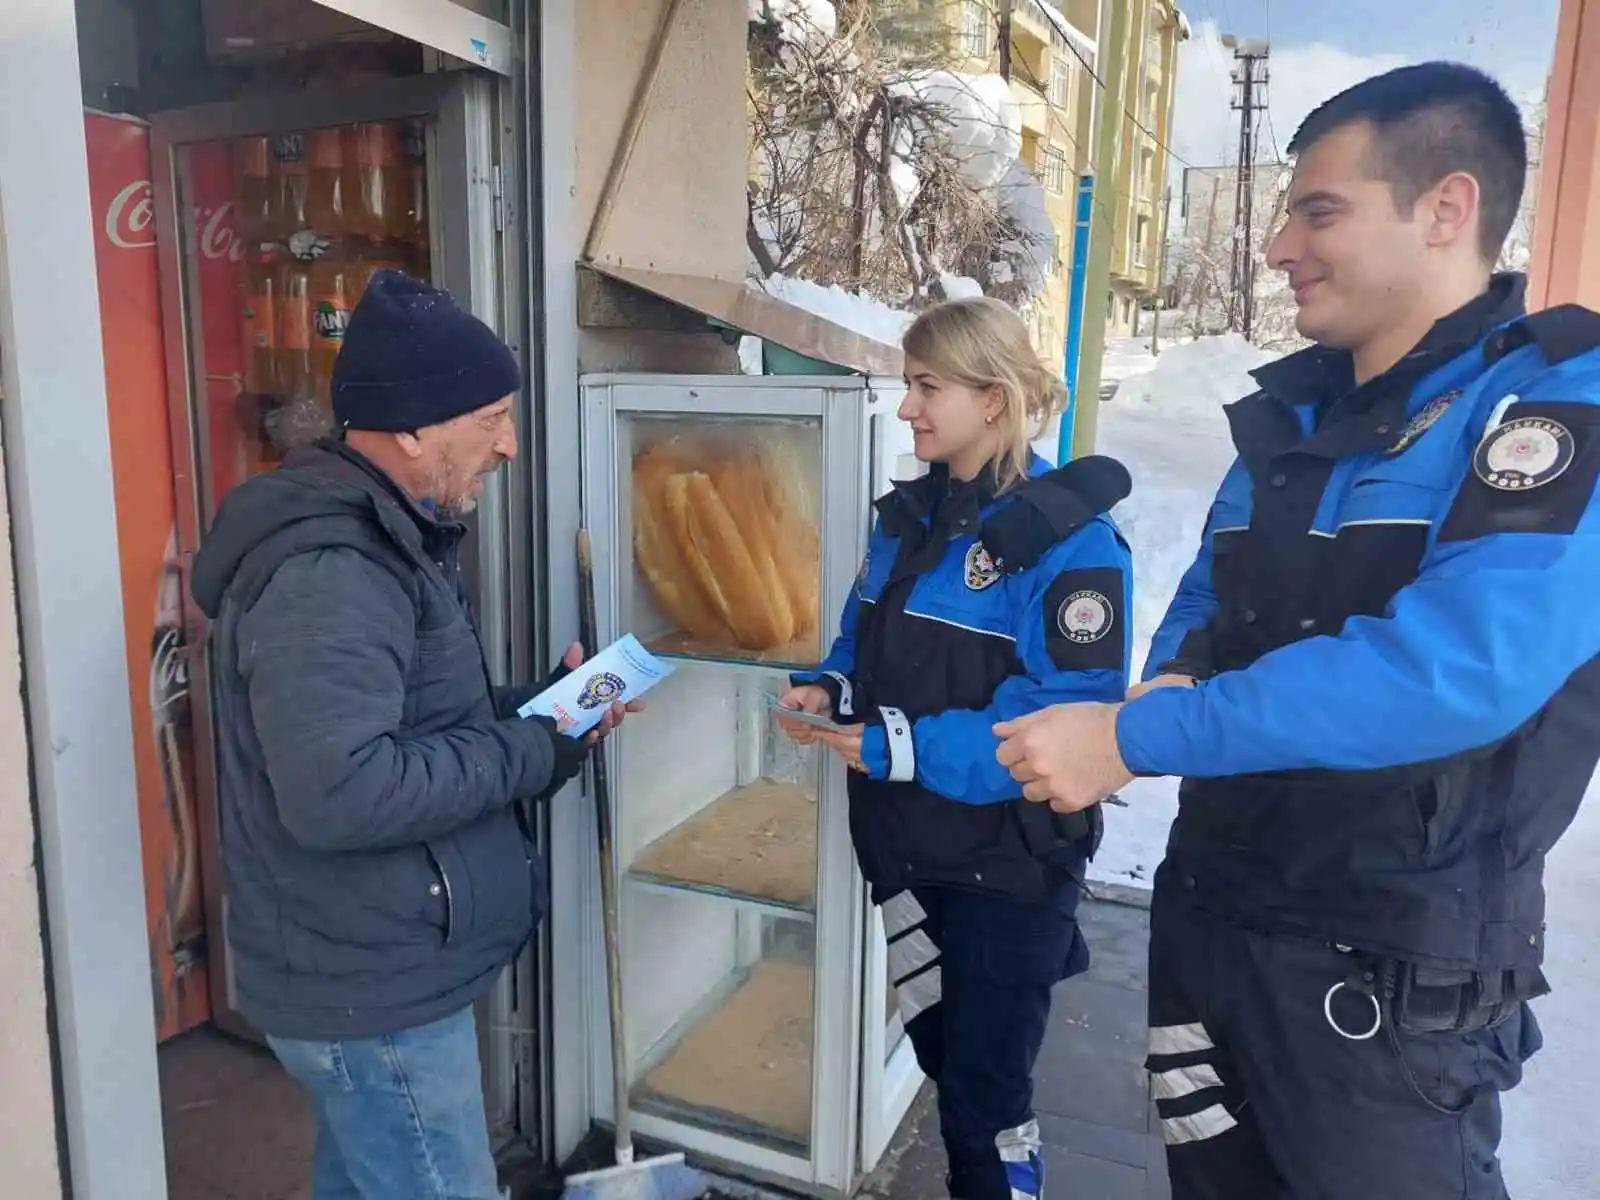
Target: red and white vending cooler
[(153, 597)]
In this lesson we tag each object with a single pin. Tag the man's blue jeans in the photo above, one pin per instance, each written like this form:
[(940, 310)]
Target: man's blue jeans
[(399, 1117)]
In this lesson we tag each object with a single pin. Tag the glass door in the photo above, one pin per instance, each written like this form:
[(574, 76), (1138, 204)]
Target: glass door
[(728, 521)]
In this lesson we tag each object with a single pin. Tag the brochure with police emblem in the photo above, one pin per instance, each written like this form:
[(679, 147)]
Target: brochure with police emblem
[(623, 671)]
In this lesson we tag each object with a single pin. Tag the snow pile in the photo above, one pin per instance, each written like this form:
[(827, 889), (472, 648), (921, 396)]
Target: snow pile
[(864, 314), (800, 19), (959, 287), (1167, 427), (1193, 380), (1021, 200), (979, 122)]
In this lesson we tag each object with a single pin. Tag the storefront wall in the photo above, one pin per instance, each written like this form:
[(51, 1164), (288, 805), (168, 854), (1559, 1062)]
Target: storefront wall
[(75, 682), (28, 1153), (1566, 264)]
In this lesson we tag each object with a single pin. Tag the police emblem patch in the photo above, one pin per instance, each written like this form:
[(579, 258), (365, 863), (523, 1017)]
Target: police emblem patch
[(1526, 453), (1085, 617), (980, 571), (601, 689), (1422, 422)]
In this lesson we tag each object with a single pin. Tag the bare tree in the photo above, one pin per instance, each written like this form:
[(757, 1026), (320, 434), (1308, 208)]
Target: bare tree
[(860, 175)]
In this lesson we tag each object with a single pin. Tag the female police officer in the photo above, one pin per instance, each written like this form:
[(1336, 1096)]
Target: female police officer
[(992, 586)]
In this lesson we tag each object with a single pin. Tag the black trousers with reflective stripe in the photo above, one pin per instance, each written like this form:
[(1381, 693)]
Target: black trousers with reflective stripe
[(1261, 1099), (974, 974)]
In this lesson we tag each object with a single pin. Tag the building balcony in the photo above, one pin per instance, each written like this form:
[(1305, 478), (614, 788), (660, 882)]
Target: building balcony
[(1034, 106)]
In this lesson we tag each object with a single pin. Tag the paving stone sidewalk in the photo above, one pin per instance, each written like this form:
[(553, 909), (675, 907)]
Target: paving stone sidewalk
[(1101, 1138)]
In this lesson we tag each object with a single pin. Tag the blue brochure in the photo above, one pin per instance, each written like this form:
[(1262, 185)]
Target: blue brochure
[(623, 671)]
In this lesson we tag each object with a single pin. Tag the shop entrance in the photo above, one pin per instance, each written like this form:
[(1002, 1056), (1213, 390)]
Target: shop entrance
[(264, 161)]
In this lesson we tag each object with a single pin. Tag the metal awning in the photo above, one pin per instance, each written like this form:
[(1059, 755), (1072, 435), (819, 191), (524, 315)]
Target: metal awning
[(461, 28), (764, 316)]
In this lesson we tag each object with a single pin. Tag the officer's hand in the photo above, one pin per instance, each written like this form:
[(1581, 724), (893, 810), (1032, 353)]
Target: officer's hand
[(807, 698), (1066, 755), (846, 744), (1160, 681)]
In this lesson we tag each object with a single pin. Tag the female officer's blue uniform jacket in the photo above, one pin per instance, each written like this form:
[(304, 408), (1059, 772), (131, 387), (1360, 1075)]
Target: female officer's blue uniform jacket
[(969, 610), (1396, 613)]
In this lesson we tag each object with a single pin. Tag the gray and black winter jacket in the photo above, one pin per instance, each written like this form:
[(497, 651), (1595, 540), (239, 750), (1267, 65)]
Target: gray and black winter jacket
[(378, 865)]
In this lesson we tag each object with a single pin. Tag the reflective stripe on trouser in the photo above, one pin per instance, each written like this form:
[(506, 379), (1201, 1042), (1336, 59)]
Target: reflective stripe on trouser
[(1019, 1153), (1259, 1095), (1184, 1080), (913, 958)]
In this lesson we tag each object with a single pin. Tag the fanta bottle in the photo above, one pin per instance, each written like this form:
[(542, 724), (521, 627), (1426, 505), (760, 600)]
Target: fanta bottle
[(331, 302), (295, 377), (293, 184), (376, 183), (261, 280), (324, 199), (253, 188)]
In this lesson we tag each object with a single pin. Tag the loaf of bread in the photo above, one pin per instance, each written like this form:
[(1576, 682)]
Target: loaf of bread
[(723, 546), (655, 548)]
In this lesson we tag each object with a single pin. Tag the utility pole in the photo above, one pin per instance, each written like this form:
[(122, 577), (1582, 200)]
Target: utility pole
[(1112, 112), (1250, 79), (1005, 40), (1161, 275)]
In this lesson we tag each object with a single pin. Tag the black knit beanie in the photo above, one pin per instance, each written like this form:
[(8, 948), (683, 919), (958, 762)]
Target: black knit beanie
[(412, 358)]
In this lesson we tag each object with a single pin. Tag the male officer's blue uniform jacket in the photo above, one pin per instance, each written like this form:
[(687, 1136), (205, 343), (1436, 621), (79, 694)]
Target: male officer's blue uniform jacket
[(1395, 616), (971, 610)]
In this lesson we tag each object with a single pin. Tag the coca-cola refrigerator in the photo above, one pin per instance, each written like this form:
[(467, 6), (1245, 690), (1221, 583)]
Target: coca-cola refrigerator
[(271, 214)]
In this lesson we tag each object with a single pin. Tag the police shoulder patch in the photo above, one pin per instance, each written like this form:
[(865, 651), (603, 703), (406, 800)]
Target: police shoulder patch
[(1082, 622), (1525, 453), (980, 571), (1533, 471)]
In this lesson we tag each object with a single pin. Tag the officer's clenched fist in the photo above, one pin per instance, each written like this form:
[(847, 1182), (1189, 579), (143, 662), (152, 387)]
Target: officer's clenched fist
[(1066, 755)]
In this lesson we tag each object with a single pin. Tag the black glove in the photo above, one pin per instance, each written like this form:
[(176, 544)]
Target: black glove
[(568, 754), (508, 700)]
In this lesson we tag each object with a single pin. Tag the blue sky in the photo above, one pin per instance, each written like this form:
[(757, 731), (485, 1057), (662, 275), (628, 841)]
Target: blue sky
[(1319, 48)]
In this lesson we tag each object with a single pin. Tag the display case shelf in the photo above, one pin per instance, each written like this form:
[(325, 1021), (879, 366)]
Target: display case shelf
[(745, 1065), (756, 844)]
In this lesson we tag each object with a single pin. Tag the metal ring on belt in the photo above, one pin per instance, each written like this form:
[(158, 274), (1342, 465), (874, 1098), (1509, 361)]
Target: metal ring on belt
[(1377, 1015)]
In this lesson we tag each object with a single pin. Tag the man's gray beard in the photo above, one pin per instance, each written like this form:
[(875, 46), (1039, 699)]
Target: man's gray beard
[(461, 506)]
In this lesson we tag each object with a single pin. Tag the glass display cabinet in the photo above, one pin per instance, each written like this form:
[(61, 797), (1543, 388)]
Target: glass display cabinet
[(729, 516)]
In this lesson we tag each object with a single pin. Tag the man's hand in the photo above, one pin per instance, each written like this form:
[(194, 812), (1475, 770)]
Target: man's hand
[(807, 698), (1160, 681), (571, 661), (1066, 755)]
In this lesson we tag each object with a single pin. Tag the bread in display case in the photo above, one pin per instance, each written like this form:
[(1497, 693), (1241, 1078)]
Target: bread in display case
[(718, 842), (723, 515)]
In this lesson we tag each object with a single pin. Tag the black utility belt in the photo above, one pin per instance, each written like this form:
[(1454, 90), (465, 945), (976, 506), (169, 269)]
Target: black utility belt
[(1425, 999)]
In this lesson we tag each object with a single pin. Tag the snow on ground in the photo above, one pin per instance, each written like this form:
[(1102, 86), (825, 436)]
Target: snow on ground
[(1165, 424)]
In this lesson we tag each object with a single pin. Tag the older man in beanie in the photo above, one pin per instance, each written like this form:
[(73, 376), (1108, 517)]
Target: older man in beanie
[(380, 866)]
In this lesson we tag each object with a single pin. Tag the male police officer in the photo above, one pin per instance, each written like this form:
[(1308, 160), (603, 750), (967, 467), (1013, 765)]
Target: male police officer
[(1379, 681)]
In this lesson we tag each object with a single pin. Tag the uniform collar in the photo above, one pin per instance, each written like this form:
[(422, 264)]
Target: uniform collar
[(1351, 419), (1323, 375)]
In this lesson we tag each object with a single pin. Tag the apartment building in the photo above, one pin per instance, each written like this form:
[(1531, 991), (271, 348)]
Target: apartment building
[(1144, 167), (1055, 72)]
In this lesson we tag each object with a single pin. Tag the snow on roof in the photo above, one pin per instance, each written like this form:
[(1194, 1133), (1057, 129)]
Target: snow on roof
[(1065, 29)]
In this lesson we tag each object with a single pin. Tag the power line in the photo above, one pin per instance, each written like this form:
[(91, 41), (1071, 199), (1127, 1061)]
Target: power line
[(1101, 84)]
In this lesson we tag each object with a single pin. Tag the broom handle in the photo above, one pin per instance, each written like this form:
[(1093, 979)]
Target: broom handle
[(609, 901)]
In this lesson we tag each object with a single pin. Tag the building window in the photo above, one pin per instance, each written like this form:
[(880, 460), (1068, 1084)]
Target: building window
[(1141, 235), (1060, 80), (1055, 170), (1055, 250), (975, 28)]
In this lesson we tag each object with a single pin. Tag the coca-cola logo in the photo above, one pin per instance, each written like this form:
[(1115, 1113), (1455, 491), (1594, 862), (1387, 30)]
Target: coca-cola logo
[(131, 218), (216, 235)]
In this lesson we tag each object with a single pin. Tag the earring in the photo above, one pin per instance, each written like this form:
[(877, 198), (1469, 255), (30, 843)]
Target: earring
[(989, 420)]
